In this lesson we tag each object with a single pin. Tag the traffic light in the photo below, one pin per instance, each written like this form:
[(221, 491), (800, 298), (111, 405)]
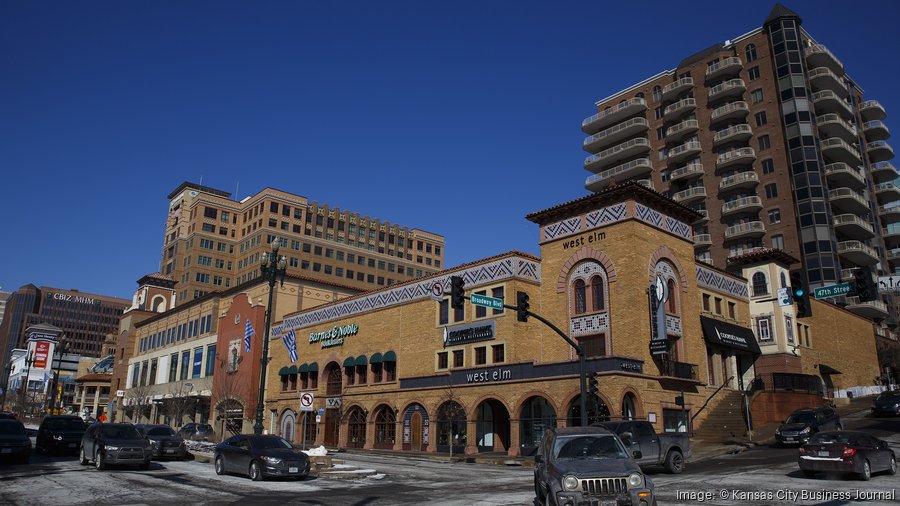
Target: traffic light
[(865, 286), (522, 306), (457, 293), (593, 387), (800, 292)]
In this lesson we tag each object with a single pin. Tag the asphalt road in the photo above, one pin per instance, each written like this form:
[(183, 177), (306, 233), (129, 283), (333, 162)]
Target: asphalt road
[(754, 477)]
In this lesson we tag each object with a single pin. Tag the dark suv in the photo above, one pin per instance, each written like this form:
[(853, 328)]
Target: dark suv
[(114, 443), (803, 423), (59, 433), (164, 443)]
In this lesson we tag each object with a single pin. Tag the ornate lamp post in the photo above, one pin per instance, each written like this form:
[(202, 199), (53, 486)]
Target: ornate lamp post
[(272, 266), (61, 349), (9, 369), (29, 361)]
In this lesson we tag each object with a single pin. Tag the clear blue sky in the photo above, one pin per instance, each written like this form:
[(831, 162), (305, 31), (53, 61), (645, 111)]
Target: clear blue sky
[(454, 117)]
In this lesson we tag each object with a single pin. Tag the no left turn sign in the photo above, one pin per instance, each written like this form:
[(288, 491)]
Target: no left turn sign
[(437, 291), (306, 401)]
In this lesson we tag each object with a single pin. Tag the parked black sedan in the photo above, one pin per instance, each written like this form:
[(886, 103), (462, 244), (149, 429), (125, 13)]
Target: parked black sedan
[(59, 433), (804, 423), (164, 443), (260, 457), (846, 452), (15, 445), (887, 403)]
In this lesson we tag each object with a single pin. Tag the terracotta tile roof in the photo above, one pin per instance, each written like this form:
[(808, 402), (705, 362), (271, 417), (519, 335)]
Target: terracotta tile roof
[(763, 255), (100, 378)]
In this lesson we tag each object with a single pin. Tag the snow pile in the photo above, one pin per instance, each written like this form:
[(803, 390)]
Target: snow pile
[(318, 451)]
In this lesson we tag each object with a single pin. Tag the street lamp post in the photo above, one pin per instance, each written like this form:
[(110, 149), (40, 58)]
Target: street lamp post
[(9, 369), (29, 360), (61, 348), (272, 265)]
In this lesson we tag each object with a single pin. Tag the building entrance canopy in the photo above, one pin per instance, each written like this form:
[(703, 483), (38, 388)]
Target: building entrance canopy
[(730, 336)]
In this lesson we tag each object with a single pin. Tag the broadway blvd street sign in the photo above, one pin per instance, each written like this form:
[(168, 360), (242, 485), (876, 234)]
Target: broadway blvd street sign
[(832, 291), (481, 300)]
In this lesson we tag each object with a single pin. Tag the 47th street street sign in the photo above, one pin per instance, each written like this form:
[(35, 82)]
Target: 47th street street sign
[(481, 300), (832, 291)]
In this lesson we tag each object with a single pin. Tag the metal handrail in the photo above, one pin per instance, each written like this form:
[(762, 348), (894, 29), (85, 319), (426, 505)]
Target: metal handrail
[(710, 397)]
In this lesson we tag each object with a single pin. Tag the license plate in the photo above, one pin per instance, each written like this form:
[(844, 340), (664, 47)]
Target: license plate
[(823, 454), (293, 469), (171, 451), (607, 503), (71, 445), (6, 450), (788, 439)]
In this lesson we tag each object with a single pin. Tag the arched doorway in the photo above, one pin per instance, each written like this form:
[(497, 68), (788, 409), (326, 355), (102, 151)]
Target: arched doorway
[(629, 407), (288, 423), (307, 427), (491, 426), (334, 387), (415, 428), (356, 427), (598, 411), (451, 427), (385, 427), (536, 416), (231, 413)]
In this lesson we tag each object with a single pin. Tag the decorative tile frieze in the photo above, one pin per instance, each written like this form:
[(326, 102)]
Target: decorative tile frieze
[(591, 324), (716, 281)]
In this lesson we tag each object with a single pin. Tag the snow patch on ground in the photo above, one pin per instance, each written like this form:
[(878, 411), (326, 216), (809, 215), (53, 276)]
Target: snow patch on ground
[(318, 451)]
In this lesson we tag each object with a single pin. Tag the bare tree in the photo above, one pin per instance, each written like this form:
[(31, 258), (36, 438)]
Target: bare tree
[(231, 393), (179, 404), (141, 402), (451, 414)]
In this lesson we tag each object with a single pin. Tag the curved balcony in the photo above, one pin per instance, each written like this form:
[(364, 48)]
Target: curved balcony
[(871, 309), (828, 101), (887, 192), (646, 183), (704, 217), (631, 170), (853, 227), (676, 88), (871, 110), (891, 236), (857, 252), (739, 133), (735, 157), (751, 204), (879, 151), (749, 229), (819, 56), (615, 133), (833, 125), (889, 214), (615, 154), (680, 152), (739, 181), (690, 195), (848, 201), (837, 150), (677, 131), (876, 131), (614, 114), (893, 255), (728, 111), (705, 257), (727, 67), (823, 78), (843, 175), (883, 171), (680, 108), (729, 88), (687, 172), (702, 241)]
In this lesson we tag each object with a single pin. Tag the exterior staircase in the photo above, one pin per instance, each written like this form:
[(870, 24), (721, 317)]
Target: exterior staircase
[(725, 422)]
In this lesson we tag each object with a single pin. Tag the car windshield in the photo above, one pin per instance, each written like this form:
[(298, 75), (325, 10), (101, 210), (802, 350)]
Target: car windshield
[(588, 447), (830, 438), (271, 442), (160, 431), (12, 429), (801, 418), (65, 424), (888, 395), (120, 432), (204, 427)]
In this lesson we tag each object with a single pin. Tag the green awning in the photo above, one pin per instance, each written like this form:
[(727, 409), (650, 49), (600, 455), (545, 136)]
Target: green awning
[(376, 359), (389, 357), (303, 368), (283, 371), (292, 369), (361, 360), (313, 367), (349, 362)]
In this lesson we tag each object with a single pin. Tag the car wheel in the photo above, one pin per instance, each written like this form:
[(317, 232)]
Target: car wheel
[(809, 473), (82, 459), (98, 461), (674, 462), (866, 473), (220, 465), (893, 468), (255, 471)]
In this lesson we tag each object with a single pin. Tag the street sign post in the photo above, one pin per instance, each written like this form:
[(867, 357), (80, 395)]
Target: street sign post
[(832, 291), (889, 284), (784, 297), (489, 302), (306, 401), (437, 292)]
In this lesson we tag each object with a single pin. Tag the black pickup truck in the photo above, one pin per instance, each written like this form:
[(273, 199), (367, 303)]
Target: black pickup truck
[(667, 450)]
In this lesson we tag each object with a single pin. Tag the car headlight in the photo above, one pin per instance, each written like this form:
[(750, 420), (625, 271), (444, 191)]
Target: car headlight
[(154, 444), (58, 438), (271, 460), (778, 430), (635, 480), (111, 448), (806, 430), (570, 483)]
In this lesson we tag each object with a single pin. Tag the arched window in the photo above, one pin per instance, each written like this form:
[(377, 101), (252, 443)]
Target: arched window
[(356, 428), (629, 409), (580, 297), (640, 94), (783, 280), (760, 286), (597, 302), (657, 93), (451, 427), (385, 428), (750, 53), (671, 306)]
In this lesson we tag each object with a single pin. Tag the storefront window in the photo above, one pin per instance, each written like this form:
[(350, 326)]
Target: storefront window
[(537, 416), (451, 427), (675, 420), (385, 428)]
